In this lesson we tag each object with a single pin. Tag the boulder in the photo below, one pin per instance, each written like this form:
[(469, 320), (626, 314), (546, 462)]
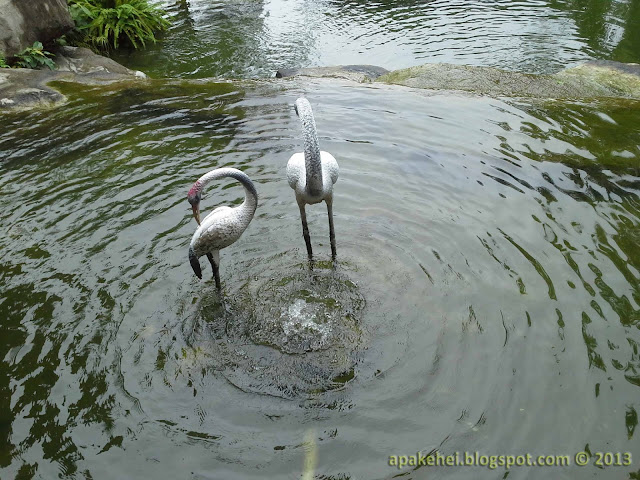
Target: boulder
[(23, 88), (589, 80), (356, 73), (23, 22), (84, 61), (592, 79)]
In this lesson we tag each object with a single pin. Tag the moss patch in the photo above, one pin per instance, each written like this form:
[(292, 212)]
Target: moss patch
[(593, 79)]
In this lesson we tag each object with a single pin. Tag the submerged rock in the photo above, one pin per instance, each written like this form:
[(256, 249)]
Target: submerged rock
[(592, 79), (356, 73), (617, 79), (24, 22), (589, 80)]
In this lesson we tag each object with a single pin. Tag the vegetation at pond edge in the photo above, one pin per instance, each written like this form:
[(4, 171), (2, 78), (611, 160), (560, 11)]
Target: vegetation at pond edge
[(34, 56), (103, 25)]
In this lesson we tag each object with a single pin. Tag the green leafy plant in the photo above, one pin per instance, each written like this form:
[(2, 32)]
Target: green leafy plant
[(34, 57), (106, 24), (3, 62)]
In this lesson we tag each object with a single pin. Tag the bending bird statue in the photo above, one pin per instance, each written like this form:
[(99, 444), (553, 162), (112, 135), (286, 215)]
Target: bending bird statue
[(224, 225), (312, 174)]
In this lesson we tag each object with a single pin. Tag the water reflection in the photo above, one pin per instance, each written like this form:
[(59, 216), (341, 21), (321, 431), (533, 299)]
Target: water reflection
[(66, 239), (254, 39), (206, 39), (610, 28), (478, 283)]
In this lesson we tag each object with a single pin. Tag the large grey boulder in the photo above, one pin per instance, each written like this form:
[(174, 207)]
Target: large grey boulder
[(23, 22)]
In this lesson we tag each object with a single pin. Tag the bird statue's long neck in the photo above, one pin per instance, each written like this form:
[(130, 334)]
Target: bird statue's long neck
[(250, 203), (312, 161)]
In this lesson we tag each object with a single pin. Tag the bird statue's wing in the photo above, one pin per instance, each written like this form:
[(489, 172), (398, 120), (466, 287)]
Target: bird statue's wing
[(330, 165), (216, 212), (220, 228), (295, 169)]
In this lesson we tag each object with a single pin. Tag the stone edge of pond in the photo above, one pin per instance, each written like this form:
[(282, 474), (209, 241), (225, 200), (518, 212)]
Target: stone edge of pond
[(26, 89), (23, 89), (355, 73), (592, 79)]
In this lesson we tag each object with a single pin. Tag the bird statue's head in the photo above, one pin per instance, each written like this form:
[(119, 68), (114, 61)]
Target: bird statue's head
[(195, 264), (194, 197), (302, 107)]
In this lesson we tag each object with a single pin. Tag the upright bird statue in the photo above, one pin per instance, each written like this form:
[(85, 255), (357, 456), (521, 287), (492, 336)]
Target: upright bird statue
[(224, 225), (312, 174)]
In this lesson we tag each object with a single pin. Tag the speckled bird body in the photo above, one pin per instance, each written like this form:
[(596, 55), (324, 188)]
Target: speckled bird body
[(219, 229), (224, 225), (312, 173)]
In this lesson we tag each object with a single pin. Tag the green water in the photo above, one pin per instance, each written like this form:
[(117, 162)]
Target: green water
[(485, 297), (255, 38)]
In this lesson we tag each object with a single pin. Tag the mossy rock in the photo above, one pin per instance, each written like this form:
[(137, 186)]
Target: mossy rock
[(590, 80)]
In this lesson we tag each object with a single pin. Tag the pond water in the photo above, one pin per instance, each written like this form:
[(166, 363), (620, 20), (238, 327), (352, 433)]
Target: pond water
[(485, 297), (254, 38)]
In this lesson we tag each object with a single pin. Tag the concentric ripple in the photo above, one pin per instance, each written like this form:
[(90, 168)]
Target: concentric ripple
[(316, 310), (287, 335), (486, 294)]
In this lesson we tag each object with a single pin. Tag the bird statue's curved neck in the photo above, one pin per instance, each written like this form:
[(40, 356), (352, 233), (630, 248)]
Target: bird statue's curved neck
[(250, 194), (312, 161)]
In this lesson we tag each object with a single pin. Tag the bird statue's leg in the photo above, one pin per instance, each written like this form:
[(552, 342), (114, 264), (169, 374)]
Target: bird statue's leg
[(332, 233), (216, 270), (305, 230)]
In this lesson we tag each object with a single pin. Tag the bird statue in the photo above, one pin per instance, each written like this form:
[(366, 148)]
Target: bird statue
[(224, 225), (312, 174)]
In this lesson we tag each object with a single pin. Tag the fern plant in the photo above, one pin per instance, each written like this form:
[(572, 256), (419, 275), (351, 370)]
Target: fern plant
[(106, 24), (34, 57), (3, 62)]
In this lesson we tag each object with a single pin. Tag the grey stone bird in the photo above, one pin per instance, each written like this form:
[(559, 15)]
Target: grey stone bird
[(312, 174), (224, 225)]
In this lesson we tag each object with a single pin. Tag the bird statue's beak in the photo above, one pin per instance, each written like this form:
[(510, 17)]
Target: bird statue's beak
[(195, 264), (196, 212)]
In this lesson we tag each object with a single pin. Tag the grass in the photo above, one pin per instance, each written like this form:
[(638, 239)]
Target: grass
[(104, 25)]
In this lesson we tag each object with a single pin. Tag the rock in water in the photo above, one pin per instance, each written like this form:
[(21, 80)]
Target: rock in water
[(356, 73), (24, 22)]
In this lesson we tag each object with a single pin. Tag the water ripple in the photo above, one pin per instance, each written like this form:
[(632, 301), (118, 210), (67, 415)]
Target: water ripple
[(487, 265), (251, 38)]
